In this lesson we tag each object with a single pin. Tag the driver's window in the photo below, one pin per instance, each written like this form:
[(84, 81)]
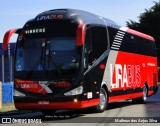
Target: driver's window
[(95, 44), (99, 41), (87, 49)]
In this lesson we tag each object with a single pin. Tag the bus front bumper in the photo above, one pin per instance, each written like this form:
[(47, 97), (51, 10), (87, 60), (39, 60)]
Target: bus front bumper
[(39, 104)]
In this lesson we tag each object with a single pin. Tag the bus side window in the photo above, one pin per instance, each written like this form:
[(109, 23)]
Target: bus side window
[(151, 48), (154, 49), (99, 41), (130, 43), (142, 46), (87, 49)]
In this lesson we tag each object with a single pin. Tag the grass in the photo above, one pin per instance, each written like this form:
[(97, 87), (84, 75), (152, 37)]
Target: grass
[(9, 104), (10, 108), (7, 107)]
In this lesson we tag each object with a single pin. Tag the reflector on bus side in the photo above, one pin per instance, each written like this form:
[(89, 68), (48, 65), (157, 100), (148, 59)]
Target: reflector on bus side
[(7, 37), (80, 35)]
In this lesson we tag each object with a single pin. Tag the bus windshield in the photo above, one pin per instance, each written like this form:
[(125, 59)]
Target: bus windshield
[(56, 54)]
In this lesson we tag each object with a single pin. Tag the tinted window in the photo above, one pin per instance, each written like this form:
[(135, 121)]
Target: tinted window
[(142, 46), (87, 49), (151, 48), (129, 44), (145, 46), (99, 41), (138, 45)]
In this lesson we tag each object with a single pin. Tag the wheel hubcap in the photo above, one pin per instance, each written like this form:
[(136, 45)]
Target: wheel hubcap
[(102, 100)]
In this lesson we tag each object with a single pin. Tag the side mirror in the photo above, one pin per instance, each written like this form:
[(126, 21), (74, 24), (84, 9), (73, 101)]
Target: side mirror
[(80, 34), (7, 37)]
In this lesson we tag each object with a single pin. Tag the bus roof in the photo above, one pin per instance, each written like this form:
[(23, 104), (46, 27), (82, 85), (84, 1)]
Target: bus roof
[(81, 16), (87, 18)]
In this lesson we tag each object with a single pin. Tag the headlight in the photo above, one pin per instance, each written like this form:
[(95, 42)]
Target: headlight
[(75, 91), (17, 93)]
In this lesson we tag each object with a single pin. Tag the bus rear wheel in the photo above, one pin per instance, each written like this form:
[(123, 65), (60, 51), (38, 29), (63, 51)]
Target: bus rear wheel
[(103, 103), (143, 99)]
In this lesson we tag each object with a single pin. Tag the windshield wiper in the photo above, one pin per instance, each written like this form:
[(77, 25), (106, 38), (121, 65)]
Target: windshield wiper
[(48, 52), (41, 59), (58, 66)]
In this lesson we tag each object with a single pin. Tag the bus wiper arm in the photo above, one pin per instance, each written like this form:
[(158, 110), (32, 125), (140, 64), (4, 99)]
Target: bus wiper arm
[(33, 69), (35, 66)]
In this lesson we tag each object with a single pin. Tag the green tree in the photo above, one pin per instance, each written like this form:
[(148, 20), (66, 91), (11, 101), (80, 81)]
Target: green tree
[(149, 23)]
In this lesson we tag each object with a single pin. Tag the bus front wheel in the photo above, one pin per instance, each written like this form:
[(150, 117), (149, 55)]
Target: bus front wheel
[(103, 103)]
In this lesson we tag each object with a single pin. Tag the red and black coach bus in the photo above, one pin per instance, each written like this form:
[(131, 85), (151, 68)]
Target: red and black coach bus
[(72, 59)]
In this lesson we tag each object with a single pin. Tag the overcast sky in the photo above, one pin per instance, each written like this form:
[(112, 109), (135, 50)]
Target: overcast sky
[(14, 13)]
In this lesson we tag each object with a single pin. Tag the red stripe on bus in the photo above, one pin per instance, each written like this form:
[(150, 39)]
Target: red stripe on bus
[(150, 93), (140, 34), (58, 105), (124, 97)]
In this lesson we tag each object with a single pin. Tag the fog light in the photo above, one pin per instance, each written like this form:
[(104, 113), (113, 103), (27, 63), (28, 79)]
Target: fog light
[(75, 100)]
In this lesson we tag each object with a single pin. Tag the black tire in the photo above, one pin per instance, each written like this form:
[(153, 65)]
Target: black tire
[(143, 99), (48, 112), (103, 104)]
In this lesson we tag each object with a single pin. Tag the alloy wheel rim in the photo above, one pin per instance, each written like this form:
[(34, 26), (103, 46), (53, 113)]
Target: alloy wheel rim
[(102, 100)]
